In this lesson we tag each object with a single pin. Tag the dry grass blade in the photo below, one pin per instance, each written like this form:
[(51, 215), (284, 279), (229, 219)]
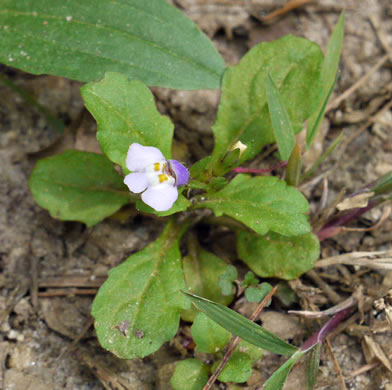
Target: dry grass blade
[(292, 4), (373, 351), (363, 259), (331, 311)]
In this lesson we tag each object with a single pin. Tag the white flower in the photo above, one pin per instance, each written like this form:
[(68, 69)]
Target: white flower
[(154, 176)]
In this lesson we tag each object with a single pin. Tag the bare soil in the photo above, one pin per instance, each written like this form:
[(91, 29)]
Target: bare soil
[(50, 270)]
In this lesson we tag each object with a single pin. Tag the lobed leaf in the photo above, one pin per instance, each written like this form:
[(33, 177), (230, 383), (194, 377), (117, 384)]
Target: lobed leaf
[(190, 374), (242, 327), (150, 41), (294, 64), (261, 203), (138, 308), (78, 186), (277, 256), (125, 112)]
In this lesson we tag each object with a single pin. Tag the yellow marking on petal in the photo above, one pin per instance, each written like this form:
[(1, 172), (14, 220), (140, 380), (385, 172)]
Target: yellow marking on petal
[(157, 167), (163, 177)]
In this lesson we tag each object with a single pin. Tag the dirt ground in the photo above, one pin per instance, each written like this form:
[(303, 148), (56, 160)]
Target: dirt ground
[(50, 270)]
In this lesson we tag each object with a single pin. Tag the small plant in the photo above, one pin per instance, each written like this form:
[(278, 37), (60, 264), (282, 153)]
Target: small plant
[(265, 99)]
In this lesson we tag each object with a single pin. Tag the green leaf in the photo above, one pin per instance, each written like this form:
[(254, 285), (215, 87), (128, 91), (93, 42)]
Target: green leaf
[(294, 64), (257, 294), (312, 366), (278, 256), (202, 274), (199, 167), (147, 40), (208, 335), (250, 280), (181, 204), (78, 186), (238, 369), (138, 308), (125, 112), (329, 72), (281, 125), (242, 327), (251, 350), (294, 167), (190, 374), (278, 378), (227, 279), (286, 295), (261, 203)]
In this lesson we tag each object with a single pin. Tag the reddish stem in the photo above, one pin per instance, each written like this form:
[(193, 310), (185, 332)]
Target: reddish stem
[(254, 170), (333, 227), (328, 327)]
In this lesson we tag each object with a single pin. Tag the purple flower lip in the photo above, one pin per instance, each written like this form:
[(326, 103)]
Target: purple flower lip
[(181, 174)]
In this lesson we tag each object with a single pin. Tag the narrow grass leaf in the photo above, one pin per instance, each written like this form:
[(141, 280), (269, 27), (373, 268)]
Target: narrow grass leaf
[(281, 124), (329, 75), (242, 327), (278, 378), (312, 366)]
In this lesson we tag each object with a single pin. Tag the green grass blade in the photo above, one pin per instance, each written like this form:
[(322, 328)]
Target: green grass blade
[(329, 74), (242, 327), (312, 366), (278, 378), (281, 124)]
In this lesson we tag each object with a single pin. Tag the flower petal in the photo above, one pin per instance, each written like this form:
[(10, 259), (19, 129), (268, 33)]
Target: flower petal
[(139, 157), (182, 174), (160, 197), (137, 182)]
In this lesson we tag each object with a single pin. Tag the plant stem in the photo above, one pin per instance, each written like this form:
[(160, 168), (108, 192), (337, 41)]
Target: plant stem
[(265, 170), (328, 327)]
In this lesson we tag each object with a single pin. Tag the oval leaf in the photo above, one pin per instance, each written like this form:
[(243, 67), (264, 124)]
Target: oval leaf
[(294, 64), (202, 273), (208, 336), (190, 374), (277, 256), (262, 203), (138, 308), (78, 186), (238, 369), (146, 40), (125, 112)]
